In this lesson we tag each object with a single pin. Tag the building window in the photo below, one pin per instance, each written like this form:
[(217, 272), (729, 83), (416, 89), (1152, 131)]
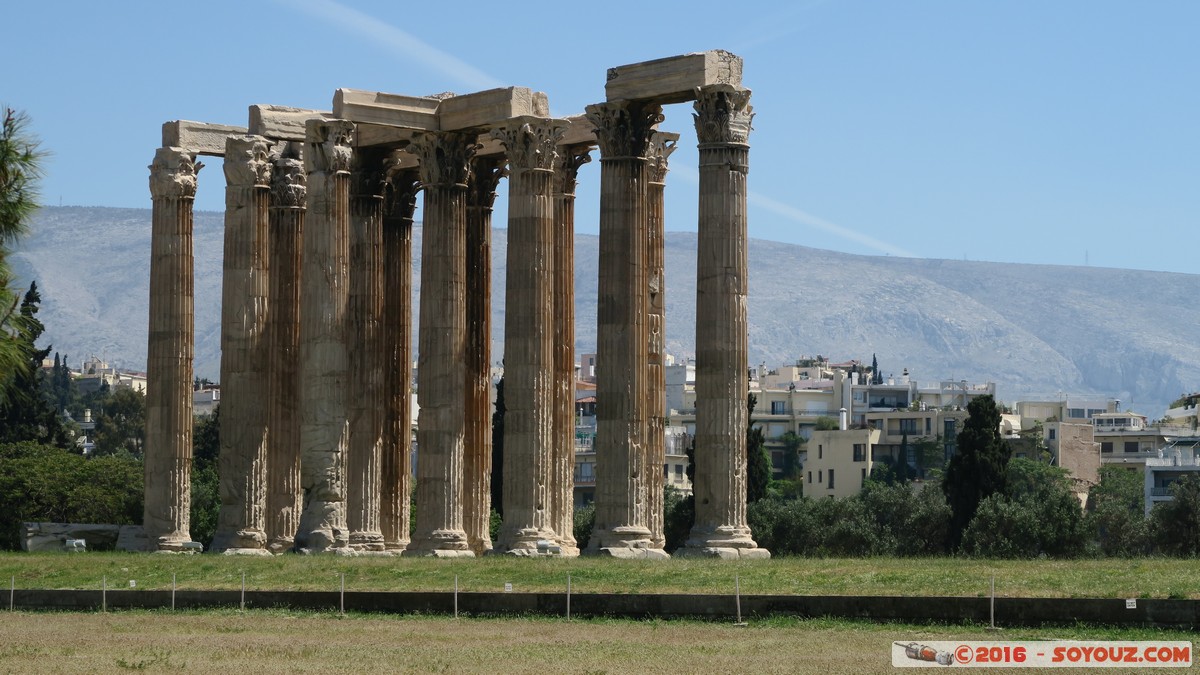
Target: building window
[(1051, 434), (666, 470), (810, 478), (928, 426), (908, 426), (820, 451), (1106, 447), (778, 407), (864, 475), (678, 471), (860, 452), (1131, 446), (831, 479), (820, 477)]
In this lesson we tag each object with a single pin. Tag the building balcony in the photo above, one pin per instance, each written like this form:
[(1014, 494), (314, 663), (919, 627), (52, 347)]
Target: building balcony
[(1160, 492)]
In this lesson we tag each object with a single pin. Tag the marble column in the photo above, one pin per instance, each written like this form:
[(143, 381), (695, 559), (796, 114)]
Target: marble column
[(400, 201), (529, 334), (441, 367), (723, 115), (477, 440), (364, 401), (623, 130), (661, 146), (286, 232), (170, 350), (562, 481), (241, 524), (324, 357)]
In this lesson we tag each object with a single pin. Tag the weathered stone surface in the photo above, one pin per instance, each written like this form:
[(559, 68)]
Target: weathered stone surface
[(410, 112), (39, 537), (242, 522), (486, 173), (722, 269), (529, 334), (491, 107), (199, 138), (445, 166), (324, 296), (170, 350), (673, 79), (623, 133), (282, 123)]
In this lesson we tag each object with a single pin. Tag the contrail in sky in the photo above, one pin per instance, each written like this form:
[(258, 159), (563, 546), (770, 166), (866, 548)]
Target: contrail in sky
[(803, 217), (397, 41)]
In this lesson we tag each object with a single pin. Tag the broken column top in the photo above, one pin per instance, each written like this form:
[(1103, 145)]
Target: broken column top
[(282, 123), (673, 79)]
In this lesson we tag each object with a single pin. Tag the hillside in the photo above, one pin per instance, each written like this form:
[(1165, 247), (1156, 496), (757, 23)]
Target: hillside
[(1035, 330)]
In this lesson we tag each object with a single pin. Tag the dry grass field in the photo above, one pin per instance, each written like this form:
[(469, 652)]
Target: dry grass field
[(268, 642)]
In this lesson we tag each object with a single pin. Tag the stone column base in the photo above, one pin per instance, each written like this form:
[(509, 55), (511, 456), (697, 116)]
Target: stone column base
[(628, 553), (722, 542), (724, 553), (247, 551), (367, 541), (281, 545), (438, 553)]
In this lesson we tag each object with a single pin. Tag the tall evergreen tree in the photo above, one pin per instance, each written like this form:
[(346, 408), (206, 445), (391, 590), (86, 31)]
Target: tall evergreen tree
[(758, 465), (20, 170), (25, 415), (498, 450), (979, 469)]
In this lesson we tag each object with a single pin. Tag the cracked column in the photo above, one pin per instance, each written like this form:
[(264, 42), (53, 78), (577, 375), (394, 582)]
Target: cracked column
[(723, 115), (444, 168), (170, 349), (286, 225), (529, 334), (623, 130), (562, 481), (661, 146), (241, 524), (477, 439), (400, 201), (324, 358), (364, 397)]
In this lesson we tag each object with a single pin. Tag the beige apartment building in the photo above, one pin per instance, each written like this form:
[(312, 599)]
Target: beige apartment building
[(839, 462)]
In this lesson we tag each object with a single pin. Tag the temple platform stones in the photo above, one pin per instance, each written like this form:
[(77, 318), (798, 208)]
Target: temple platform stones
[(317, 322)]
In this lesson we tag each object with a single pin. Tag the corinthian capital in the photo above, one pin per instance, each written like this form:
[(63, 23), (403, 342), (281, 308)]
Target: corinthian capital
[(328, 145), (662, 144), (530, 141), (566, 169), (173, 174), (486, 173), (623, 128), (247, 161), (723, 114), (445, 156), (288, 183)]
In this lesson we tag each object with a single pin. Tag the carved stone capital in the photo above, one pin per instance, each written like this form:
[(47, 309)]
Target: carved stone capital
[(247, 161), (566, 169), (723, 114), (486, 173), (530, 142), (288, 183), (400, 189), (328, 145), (623, 128), (662, 144), (369, 175), (445, 156), (173, 174)]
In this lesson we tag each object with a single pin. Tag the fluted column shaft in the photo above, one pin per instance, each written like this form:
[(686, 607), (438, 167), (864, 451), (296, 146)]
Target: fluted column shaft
[(286, 225), (170, 350), (563, 469), (324, 357), (396, 328), (529, 334), (477, 439), (722, 117), (441, 370), (241, 524), (623, 132), (661, 147), (364, 397)]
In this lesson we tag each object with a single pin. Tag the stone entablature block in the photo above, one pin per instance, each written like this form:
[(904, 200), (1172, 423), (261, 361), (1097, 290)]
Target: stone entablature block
[(673, 79)]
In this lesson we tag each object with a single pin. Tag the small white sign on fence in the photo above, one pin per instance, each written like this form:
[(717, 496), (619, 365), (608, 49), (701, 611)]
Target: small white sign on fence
[(1131, 603), (508, 588)]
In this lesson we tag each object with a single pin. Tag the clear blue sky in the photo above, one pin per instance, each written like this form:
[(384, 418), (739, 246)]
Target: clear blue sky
[(1058, 132)]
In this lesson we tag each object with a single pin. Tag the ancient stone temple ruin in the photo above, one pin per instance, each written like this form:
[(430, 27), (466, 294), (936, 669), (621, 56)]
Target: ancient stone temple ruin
[(316, 337)]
